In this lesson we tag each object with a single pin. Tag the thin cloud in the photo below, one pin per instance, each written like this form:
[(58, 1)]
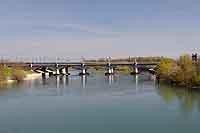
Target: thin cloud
[(66, 27)]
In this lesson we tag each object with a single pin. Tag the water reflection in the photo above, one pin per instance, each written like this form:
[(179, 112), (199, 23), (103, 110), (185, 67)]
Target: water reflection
[(83, 81), (110, 79), (136, 82), (188, 100), (76, 103), (99, 84), (44, 79), (58, 81)]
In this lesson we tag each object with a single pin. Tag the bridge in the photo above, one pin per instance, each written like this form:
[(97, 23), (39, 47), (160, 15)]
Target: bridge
[(62, 68)]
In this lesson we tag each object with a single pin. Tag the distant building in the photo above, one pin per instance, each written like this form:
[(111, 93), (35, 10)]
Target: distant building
[(195, 57)]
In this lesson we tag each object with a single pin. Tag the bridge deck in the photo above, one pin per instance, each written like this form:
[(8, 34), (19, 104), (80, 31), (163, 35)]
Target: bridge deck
[(53, 64)]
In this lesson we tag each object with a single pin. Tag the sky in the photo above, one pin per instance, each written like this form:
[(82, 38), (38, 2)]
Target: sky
[(98, 28)]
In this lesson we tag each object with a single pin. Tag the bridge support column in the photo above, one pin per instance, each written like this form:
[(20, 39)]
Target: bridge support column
[(83, 70), (57, 70), (50, 73), (43, 71), (64, 71), (31, 66), (135, 68), (110, 70)]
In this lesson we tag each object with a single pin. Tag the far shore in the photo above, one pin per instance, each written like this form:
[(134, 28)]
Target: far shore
[(30, 76)]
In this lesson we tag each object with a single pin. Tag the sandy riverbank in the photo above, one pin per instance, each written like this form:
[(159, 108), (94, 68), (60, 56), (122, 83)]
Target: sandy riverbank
[(32, 76)]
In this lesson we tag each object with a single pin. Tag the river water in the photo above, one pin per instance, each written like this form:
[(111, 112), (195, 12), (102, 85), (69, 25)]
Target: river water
[(98, 104)]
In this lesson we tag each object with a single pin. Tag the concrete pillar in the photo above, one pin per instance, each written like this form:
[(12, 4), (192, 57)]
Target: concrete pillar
[(50, 71), (57, 71), (135, 68), (65, 71), (112, 70), (31, 66), (109, 69), (83, 70)]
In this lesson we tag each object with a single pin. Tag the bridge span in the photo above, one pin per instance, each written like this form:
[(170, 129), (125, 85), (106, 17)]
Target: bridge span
[(57, 68)]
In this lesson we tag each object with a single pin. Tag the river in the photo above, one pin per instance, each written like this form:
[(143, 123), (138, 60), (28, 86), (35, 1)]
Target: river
[(98, 104)]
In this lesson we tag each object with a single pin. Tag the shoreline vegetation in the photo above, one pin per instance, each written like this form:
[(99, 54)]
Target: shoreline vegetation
[(124, 69), (183, 72), (130, 59)]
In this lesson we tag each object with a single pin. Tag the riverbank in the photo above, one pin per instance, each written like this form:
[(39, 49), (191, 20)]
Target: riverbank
[(9, 75), (29, 76), (32, 76)]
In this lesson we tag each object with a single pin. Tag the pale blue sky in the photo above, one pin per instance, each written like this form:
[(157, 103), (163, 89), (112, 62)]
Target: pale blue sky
[(99, 28)]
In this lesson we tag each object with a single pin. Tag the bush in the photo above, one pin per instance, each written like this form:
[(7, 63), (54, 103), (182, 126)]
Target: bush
[(18, 74), (5, 72)]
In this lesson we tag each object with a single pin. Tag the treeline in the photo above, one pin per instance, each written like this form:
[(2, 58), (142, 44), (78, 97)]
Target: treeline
[(11, 73), (130, 59), (181, 72)]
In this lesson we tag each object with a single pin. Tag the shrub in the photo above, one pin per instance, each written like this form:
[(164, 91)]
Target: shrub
[(18, 74), (5, 72)]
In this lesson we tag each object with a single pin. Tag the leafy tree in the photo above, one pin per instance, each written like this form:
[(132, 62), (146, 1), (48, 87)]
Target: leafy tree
[(186, 72), (165, 69), (183, 72)]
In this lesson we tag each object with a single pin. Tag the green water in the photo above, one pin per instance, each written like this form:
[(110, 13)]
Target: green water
[(98, 104)]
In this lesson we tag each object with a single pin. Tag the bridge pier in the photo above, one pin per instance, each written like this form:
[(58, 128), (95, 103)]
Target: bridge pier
[(57, 71), (31, 66), (109, 69), (64, 71), (135, 71), (83, 70), (43, 71), (135, 68), (50, 73)]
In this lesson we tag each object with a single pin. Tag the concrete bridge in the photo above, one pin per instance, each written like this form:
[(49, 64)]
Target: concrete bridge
[(62, 68)]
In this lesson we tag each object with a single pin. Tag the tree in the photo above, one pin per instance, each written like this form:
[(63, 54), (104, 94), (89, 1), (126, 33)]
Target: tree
[(166, 69), (186, 72)]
